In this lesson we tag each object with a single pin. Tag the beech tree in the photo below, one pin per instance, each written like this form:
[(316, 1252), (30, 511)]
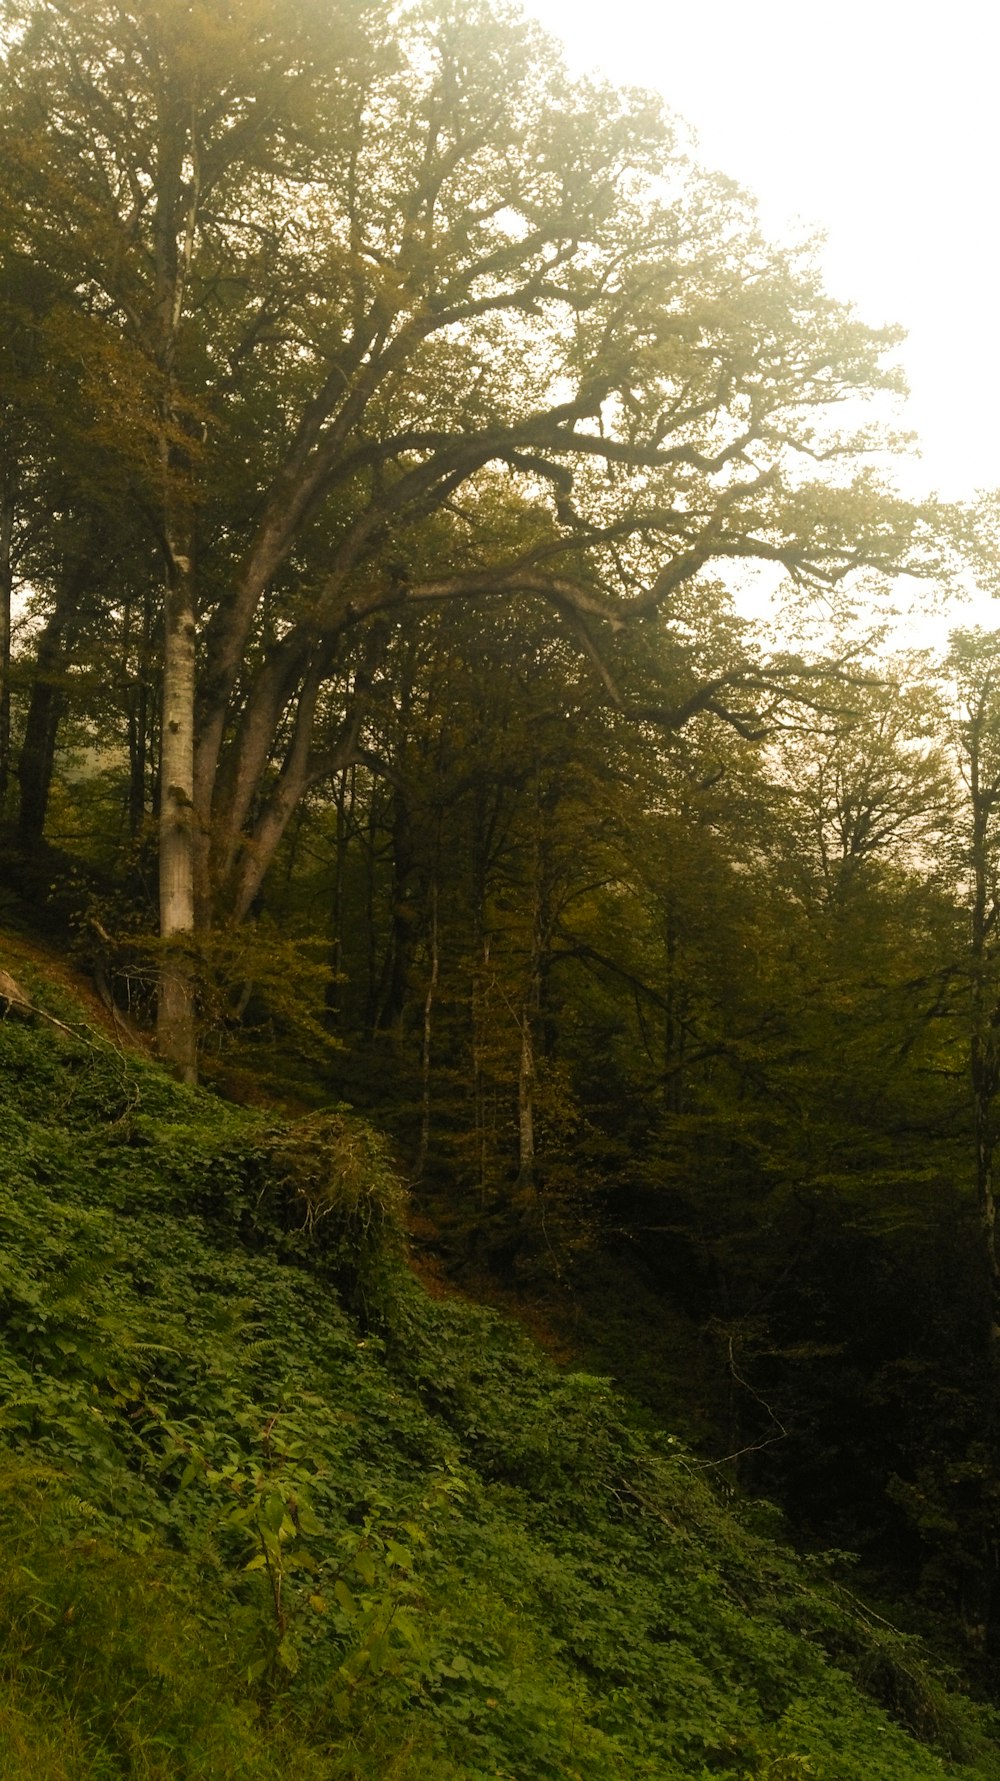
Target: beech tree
[(350, 268)]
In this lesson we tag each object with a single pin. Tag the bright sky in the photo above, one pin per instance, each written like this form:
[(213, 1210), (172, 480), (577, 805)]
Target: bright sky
[(876, 120)]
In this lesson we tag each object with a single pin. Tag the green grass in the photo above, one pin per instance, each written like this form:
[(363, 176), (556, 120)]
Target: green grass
[(267, 1510)]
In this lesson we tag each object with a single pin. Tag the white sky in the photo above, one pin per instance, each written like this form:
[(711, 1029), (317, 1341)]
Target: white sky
[(876, 120)]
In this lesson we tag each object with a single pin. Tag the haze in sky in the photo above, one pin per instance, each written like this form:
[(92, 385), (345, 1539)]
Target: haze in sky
[(874, 120)]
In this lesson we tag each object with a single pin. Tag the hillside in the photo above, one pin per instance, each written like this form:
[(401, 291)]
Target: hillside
[(271, 1510)]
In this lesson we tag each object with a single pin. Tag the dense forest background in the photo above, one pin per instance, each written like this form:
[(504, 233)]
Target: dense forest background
[(391, 435)]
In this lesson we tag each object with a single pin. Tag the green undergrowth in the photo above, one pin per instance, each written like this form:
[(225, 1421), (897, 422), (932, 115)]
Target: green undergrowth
[(269, 1511)]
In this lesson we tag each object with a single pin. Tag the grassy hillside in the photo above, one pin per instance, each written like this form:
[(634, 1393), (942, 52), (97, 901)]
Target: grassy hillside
[(270, 1511)]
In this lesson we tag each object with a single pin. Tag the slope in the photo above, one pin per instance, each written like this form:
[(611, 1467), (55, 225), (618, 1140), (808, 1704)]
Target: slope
[(270, 1510)]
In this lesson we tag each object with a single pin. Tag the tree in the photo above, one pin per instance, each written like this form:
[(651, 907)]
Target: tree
[(974, 662), (868, 789), (30, 400), (364, 269)]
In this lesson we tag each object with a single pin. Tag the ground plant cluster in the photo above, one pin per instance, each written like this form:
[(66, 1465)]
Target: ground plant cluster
[(268, 1509)]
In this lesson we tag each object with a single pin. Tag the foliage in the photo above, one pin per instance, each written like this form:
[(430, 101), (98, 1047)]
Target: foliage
[(513, 348), (390, 404), (246, 1534), (334, 1172)]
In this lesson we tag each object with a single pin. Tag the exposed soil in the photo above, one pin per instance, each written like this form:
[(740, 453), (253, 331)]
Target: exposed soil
[(18, 951)]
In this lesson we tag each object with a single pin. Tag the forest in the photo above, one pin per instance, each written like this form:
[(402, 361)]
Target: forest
[(463, 713)]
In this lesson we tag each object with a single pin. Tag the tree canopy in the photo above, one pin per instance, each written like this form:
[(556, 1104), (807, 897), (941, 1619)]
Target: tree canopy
[(376, 310)]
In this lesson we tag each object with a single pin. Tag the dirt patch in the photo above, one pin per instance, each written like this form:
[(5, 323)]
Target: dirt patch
[(19, 950), (540, 1319)]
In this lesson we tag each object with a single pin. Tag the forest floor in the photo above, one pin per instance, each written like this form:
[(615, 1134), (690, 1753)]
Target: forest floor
[(574, 1321), (18, 949), (546, 1316), (490, 1566)]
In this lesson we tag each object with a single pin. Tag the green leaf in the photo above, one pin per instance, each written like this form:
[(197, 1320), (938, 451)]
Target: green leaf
[(345, 1598), (288, 1656), (364, 1565), (272, 1511)]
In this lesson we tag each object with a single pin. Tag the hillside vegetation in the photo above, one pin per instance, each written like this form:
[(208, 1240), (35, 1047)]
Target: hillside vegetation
[(270, 1510)]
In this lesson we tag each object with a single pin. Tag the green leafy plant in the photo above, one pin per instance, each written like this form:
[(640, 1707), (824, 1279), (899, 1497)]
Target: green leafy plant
[(245, 1515)]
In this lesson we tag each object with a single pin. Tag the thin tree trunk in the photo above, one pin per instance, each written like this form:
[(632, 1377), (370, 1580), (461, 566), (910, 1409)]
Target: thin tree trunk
[(978, 1588), (479, 1012), (531, 1007), (174, 231), (425, 1051), (8, 479), (47, 701), (674, 1036), (175, 1015), (526, 1102), (985, 1041), (333, 989), (371, 868), (396, 966), (138, 724)]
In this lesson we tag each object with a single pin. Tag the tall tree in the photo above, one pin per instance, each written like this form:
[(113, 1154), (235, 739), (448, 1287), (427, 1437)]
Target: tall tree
[(360, 267), (975, 664)]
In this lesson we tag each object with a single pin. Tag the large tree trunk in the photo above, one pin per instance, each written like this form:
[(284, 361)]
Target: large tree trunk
[(238, 831), (175, 218), (37, 758)]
